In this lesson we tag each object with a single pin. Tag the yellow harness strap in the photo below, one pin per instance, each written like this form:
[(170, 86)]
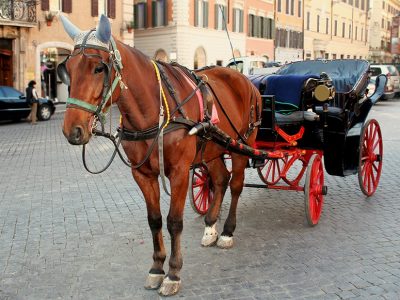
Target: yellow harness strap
[(162, 93)]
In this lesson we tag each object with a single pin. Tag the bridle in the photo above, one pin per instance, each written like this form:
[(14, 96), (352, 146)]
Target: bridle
[(108, 89)]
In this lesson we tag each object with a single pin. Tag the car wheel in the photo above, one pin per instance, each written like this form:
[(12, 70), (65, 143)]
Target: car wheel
[(44, 112)]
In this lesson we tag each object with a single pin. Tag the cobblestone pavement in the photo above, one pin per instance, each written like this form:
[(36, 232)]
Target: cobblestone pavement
[(67, 234)]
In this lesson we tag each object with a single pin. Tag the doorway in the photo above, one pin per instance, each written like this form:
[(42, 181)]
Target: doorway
[(6, 66)]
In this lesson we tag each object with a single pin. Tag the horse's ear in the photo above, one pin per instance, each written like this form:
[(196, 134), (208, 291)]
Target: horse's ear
[(103, 30), (70, 28)]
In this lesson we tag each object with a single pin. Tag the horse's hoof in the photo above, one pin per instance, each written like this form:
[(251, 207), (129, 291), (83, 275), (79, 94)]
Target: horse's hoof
[(225, 242), (154, 281), (210, 236), (169, 287)]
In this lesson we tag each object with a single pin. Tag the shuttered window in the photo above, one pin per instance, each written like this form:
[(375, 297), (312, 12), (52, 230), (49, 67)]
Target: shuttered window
[(111, 9), (67, 6), (106, 7), (237, 20), (45, 5), (221, 16), (140, 11), (201, 13), (95, 8), (159, 13)]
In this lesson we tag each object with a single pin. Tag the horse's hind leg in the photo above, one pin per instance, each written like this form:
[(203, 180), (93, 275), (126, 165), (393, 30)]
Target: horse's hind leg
[(179, 180), (220, 178), (239, 164), (151, 192)]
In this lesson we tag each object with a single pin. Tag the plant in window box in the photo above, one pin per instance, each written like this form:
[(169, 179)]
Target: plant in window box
[(130, 25), (49, 17)]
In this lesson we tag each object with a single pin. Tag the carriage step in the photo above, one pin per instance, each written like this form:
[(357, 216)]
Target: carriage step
[(257, 163)]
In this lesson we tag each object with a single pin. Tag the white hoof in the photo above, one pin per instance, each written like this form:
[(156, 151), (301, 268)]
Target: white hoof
[(225, 242), (210, 236), (169, 287), (154, 281)]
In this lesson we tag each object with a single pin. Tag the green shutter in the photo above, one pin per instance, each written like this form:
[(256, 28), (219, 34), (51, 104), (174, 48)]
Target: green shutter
[(153, 13), (196, 13), (216, 16), (241, 21), (165, 9), (272, 29), (146, 25), (135, 15), (234, 20), (205, 14)]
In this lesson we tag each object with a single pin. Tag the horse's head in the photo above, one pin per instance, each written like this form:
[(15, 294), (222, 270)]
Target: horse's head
[(88, 72)]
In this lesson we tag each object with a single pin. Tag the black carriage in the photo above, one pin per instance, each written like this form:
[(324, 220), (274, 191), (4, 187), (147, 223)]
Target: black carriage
[(314, 115)]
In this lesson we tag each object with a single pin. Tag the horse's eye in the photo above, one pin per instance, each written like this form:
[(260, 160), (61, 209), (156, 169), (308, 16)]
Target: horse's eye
[(98, 69)]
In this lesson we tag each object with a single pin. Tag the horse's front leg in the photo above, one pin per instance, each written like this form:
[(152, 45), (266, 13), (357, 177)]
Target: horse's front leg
[(179, 184), (151, 192)]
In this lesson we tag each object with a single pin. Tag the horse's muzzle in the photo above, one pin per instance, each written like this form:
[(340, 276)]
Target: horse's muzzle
[(76, 136)]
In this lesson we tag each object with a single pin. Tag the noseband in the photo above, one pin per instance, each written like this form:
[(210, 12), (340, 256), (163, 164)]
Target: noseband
[(114, 62)]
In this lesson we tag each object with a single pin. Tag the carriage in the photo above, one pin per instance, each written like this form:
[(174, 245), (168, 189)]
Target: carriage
[(314, 115)]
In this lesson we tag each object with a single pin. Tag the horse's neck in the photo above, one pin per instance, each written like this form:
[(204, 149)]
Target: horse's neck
[(140, 103)]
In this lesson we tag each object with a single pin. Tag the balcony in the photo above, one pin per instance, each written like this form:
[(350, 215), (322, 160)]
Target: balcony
[(18, 13)]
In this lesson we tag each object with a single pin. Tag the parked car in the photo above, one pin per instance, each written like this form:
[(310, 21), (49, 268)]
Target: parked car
[(393, 82), (13, 105), (247, 64)]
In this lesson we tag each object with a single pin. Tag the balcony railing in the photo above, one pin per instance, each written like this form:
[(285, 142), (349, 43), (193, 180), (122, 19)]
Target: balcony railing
[(18, 12)]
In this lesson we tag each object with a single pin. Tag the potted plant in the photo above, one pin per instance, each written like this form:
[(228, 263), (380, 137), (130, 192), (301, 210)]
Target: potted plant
[(49, 17), (130, 25)]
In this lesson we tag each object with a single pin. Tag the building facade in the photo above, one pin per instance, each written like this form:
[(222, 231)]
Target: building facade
[(193, 34), (336, 29), (382, 15), (289, 36), (41, 42)]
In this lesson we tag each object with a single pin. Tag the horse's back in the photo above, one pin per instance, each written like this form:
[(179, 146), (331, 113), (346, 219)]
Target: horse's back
[(235, 93)]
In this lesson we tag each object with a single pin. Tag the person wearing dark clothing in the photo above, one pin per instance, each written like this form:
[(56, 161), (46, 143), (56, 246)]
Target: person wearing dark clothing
[(32, 99)]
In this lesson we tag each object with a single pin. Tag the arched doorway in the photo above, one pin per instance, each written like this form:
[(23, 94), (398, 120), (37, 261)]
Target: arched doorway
[(199, 58), (48, 56), (161, 55)]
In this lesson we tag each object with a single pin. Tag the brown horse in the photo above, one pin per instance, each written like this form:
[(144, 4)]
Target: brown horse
[(98, 61)]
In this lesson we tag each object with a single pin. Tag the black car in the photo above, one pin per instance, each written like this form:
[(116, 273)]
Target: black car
[(13, 106)]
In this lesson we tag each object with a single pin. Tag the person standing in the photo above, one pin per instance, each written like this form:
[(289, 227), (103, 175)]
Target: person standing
[(32, 99)]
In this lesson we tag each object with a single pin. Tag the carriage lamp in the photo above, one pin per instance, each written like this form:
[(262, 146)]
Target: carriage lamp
[(323, 92)]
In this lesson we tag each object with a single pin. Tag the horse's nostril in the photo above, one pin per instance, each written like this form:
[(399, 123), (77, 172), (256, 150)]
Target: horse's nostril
[(77, 134)]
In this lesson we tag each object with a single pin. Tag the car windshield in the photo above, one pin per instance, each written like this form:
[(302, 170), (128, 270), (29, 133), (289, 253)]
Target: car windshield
[(10, 92), (375, 71), (238, 66)]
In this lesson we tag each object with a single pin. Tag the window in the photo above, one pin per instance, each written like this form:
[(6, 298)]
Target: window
[(388, 25), (335, 27), (279, 4), (355, 33), (261, 27), (102, 7), (383, 5), (343, 29), (362, 4), (299, 9), (318, 23), (292, 7), (55, 5), (237, 20), (159, 13), (327, 26), (357, 3), (140, 15), (201, 13), (342, 56), (308, 20), (350, 31), (221, 16), (383, 23), (326, 55), (362, 33), (350, 2), (287, 7), (334, 56)]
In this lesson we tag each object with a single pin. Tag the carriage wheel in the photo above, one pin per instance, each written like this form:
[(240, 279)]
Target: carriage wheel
[(270, 173), (314, 190), (371, 154), (200, 194)]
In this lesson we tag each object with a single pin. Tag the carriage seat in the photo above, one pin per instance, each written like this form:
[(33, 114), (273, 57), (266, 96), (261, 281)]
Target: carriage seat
[(287, 90)]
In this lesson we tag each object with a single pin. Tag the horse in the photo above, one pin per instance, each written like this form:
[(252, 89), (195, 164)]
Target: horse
[(102, 70)]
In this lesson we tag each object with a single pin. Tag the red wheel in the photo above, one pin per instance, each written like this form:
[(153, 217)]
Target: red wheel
[(314, 190), (200, 193), (371, 154), (270, 173)]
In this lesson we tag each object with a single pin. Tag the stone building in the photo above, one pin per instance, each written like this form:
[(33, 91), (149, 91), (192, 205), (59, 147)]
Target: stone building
[(33, 42), (192, 32), (335, 29), (381, 21)]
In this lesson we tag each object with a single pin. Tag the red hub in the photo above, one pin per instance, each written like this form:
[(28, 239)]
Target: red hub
[(371, 154)]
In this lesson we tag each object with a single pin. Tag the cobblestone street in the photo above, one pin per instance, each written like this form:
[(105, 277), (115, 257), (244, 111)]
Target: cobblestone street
[(67, 234)]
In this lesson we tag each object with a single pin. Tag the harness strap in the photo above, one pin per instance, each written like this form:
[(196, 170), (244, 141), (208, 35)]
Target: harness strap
[(82, 104)]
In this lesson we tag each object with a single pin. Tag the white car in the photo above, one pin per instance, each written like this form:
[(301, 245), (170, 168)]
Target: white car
[(393, 83), (247, 64)]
